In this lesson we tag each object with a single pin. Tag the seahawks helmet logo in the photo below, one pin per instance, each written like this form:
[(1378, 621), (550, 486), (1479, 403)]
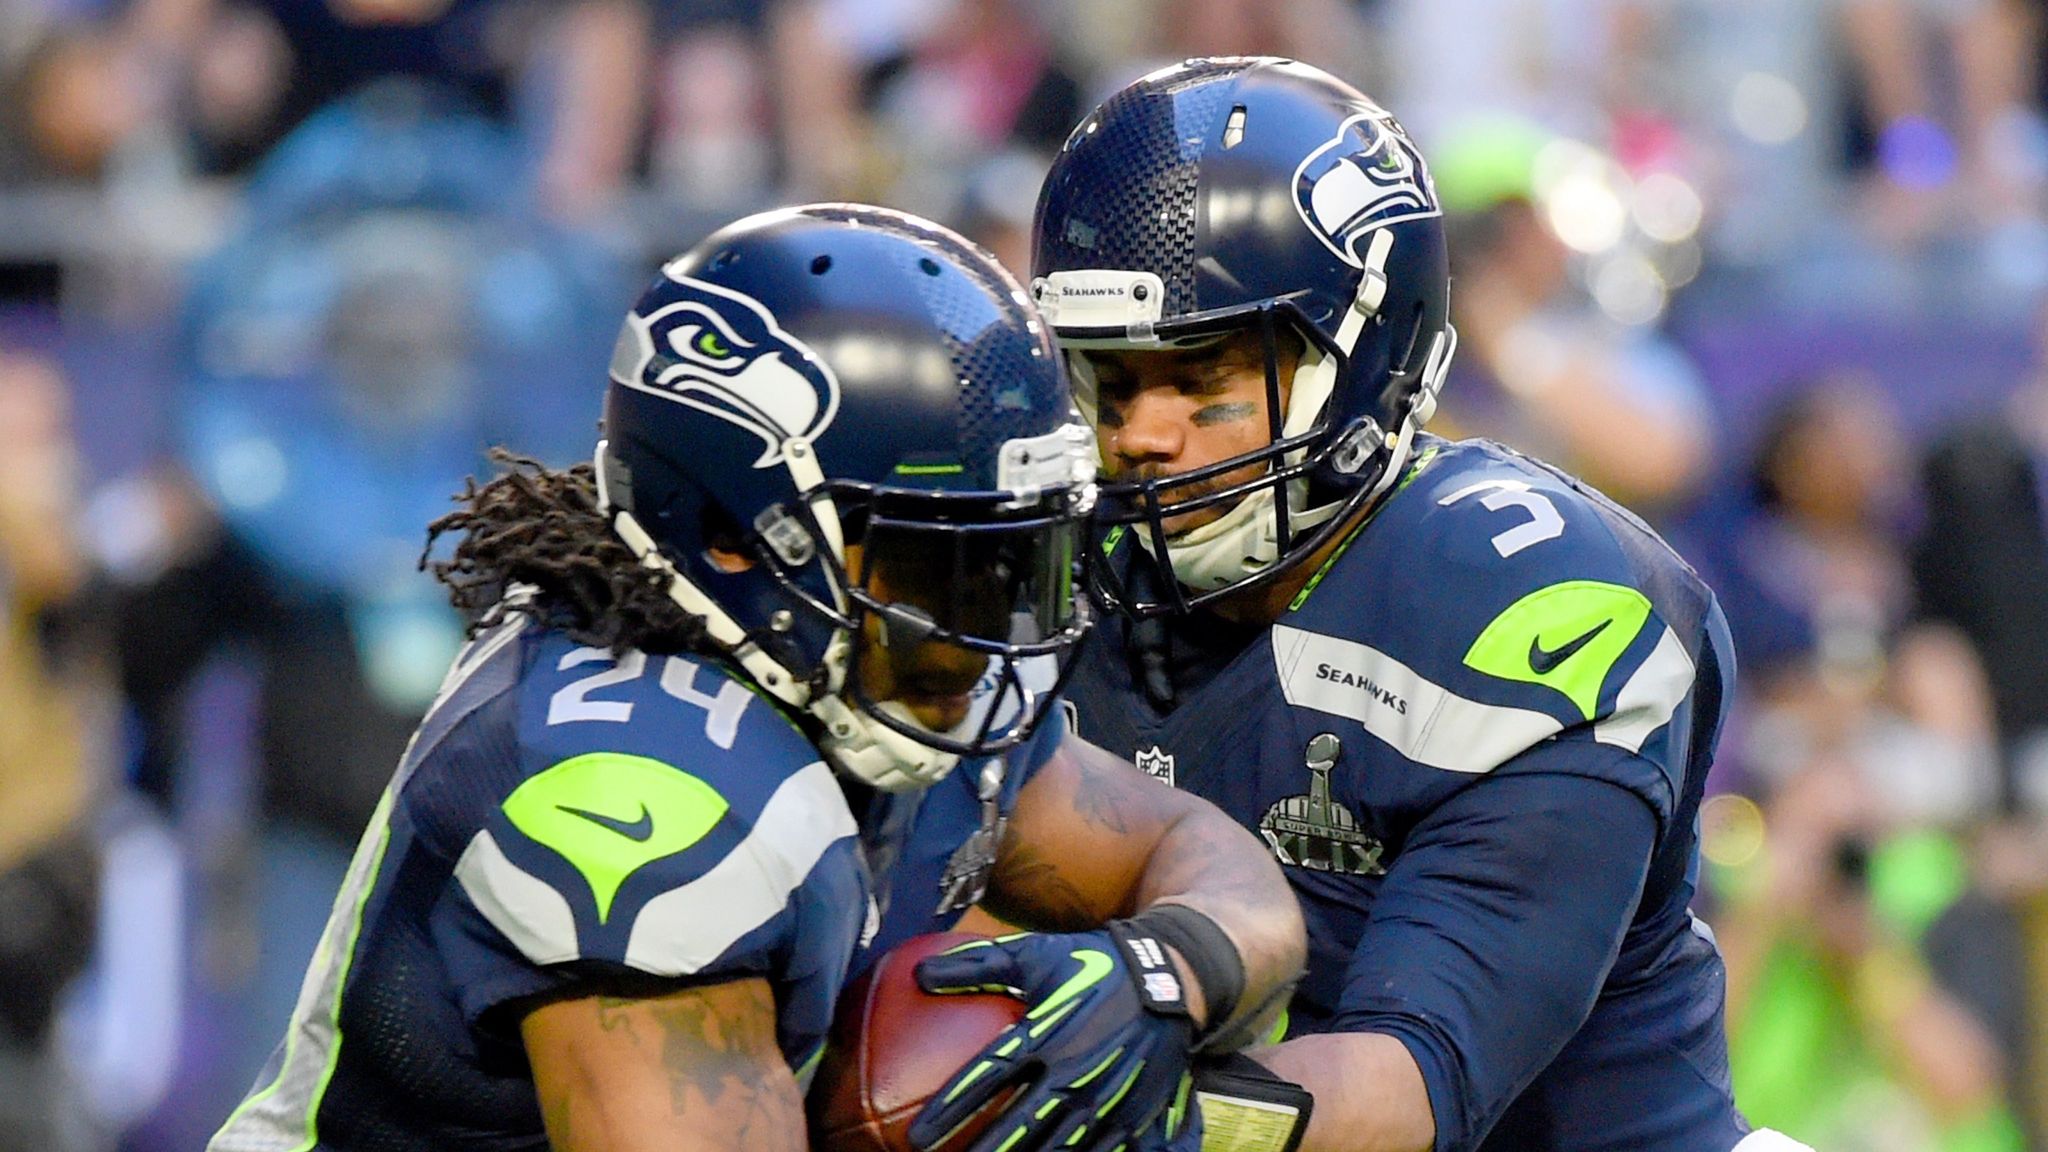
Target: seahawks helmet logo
[(1366, 177), (722, 353)]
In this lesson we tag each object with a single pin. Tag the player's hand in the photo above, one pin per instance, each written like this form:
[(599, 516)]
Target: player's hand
[(1103, 1047)]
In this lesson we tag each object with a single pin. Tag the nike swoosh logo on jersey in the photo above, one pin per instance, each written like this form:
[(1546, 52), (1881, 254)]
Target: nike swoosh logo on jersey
[(1544, 661), (638, 830)]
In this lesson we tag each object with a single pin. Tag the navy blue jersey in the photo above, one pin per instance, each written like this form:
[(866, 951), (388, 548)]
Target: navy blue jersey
[(1477, 744), (570, 819)]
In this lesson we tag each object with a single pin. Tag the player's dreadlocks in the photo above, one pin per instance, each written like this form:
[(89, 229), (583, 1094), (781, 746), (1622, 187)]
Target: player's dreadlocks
[(541, 526)]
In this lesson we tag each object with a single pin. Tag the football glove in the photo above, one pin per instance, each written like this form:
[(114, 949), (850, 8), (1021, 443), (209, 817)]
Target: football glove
[(1104, 1045)]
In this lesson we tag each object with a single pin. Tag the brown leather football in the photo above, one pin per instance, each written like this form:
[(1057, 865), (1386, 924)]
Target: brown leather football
[(893, 1046)]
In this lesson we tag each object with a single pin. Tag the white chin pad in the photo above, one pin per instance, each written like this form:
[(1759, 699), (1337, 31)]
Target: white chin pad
[(875, 754), (1239, 544)]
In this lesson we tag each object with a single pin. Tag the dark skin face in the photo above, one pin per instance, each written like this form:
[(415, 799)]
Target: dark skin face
[(1170, 411), (931, 679)]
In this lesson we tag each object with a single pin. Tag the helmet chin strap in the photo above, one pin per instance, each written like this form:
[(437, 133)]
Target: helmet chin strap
[(853, 742)]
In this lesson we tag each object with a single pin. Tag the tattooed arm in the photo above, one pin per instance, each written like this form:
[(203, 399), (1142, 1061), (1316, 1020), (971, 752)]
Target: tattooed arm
[(695, 1070), (1093, 838)]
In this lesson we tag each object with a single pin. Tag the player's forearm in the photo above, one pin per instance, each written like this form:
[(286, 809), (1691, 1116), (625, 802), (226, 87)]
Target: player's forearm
[(694, 1071), (1207, 862), (1368, 1089), (1093, 838)]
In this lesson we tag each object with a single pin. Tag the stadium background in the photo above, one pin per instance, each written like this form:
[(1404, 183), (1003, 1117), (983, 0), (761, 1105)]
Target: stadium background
[(274, 272)]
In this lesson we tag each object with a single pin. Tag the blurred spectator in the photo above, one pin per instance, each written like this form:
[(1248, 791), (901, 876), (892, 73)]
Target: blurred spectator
[(1947, 91), (71, 104), (379, 320), (1327, 33), (237, 77), (1838, 1034), (1821, 603), (819, 50), (1539, 367), (1574, 66), (713, 137), (48, 770), (1872, 940), (899, 102), (1982, 565)]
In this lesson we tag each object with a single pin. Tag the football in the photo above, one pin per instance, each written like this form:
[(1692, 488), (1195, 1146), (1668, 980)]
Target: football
[(893, 1046)]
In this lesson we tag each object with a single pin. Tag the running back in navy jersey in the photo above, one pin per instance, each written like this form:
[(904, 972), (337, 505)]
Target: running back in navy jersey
[(569, 820)]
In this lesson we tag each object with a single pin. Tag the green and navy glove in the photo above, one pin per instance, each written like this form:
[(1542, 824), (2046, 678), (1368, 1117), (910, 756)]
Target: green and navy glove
[(1104, 1045)]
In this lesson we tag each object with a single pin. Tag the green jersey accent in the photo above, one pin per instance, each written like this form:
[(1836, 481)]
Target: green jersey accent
[(610, 814), (315, 1032), (1566, 636)]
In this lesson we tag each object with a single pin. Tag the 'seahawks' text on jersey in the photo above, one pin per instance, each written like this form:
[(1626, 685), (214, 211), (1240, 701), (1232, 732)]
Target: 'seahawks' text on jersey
[(1499, 657), (571, 818)]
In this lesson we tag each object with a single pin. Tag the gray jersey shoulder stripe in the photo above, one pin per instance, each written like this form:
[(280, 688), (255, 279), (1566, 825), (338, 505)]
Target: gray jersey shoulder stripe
[(1421, 719), (680, 931), (1651, 695), (527, 909)]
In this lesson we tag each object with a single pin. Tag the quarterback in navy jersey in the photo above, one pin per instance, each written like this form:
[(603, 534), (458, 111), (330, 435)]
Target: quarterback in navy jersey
[(823, 560), (1468, 703)]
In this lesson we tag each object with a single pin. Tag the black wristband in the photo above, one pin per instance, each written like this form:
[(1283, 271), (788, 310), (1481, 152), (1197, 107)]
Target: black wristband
[(1152, 971), (1211, 956)]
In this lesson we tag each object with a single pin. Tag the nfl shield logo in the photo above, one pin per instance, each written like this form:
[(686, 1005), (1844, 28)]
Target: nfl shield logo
[(1156, 762)]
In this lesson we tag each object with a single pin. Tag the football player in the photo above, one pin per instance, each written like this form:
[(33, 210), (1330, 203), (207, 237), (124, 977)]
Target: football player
[(825, 555), (1468, 703)]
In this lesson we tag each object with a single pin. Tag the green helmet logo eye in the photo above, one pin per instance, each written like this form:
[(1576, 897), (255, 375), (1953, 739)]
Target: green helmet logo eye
[(712, 345)]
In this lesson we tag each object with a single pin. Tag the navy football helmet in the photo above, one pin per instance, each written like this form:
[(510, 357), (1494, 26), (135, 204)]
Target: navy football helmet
[(816, 378), (1248, 194)]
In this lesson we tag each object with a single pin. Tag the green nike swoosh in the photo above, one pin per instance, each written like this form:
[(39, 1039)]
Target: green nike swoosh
[(1094, 966), (639, 830), (1544, 661)]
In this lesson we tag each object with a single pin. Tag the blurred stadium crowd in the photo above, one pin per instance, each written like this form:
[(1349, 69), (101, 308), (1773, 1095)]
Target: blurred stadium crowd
[(274, 272)]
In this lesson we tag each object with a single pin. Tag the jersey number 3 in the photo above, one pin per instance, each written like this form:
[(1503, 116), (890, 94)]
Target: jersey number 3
[(1544, 522), (572, 701)]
